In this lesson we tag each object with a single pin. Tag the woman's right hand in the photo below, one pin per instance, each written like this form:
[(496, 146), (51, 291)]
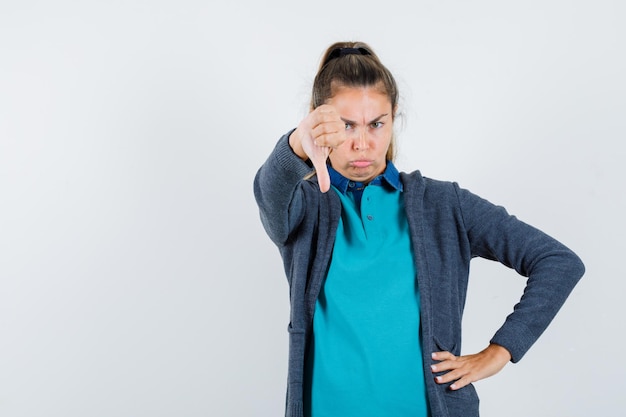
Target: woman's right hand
[(315, 137)]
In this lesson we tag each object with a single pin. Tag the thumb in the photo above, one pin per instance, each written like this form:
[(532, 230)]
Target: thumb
[(319, 163), (323, 179)]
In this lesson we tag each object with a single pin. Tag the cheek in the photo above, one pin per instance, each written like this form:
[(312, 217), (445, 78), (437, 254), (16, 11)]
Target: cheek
[(382, 138)]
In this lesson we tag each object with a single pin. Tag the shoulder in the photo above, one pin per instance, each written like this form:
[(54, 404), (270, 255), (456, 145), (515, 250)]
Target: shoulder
[(429, 187), (442, 196)]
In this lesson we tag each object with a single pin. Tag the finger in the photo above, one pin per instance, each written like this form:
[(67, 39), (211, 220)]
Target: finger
[(447, 362), (319, 163), (447, 365), (442, 356), (462, 382), (323, 179), (450, 376), (325, 110), (323, 115), (329, 134)]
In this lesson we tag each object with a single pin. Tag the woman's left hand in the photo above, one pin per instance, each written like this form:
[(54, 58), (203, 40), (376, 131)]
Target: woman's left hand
[(464, 370)]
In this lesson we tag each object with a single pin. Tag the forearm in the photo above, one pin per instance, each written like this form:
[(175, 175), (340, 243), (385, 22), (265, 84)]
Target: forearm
[(295, 142), (549, 284), (275, 186), (552, 269)]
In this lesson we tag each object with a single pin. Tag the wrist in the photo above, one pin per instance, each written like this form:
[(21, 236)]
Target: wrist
[(499, 351), (295, 143)]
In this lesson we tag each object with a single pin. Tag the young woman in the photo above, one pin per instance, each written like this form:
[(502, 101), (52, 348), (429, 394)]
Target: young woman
[(378, 261)]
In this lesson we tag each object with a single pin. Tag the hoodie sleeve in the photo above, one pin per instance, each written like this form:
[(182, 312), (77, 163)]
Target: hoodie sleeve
[(552, 269), (277, 192)]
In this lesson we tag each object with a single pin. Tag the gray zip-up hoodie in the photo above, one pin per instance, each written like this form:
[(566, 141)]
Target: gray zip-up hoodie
[(449, 226)]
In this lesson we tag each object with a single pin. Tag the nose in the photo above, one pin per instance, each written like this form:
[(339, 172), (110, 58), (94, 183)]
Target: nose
[(360, 141)]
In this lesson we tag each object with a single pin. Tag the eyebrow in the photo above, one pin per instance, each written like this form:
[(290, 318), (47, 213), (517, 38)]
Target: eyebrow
[(372, 121)]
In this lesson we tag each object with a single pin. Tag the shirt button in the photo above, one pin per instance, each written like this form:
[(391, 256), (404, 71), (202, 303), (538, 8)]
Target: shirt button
[(351, 184), (370, 217)]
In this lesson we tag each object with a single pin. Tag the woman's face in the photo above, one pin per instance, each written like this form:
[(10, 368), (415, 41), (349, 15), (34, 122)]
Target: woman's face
[(368, 116)]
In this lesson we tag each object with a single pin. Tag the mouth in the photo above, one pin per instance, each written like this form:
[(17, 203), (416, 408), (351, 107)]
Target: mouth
[(361, 163)]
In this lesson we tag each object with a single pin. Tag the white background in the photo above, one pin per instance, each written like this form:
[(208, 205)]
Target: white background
[(135, 277)]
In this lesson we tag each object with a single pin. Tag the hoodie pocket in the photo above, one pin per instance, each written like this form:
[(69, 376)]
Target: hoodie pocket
[(445, 347)]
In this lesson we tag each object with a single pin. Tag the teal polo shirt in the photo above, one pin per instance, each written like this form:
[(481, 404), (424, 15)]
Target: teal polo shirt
[(364, 358)]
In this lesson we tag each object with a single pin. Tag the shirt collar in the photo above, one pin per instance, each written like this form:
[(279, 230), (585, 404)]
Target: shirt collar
[(390, 176)]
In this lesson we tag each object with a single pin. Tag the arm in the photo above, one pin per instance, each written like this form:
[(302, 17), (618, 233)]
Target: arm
[(276, 181), (276, 191), (552, 270)]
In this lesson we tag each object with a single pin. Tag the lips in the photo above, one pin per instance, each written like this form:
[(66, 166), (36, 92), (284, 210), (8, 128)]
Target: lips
[(362, 163)]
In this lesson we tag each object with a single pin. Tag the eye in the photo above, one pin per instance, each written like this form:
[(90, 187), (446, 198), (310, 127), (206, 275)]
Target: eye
[(348, 126), (376, 125)]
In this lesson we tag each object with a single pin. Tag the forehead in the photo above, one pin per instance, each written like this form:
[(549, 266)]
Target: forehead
[(354, 94), (339, 88), (364, 101)]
